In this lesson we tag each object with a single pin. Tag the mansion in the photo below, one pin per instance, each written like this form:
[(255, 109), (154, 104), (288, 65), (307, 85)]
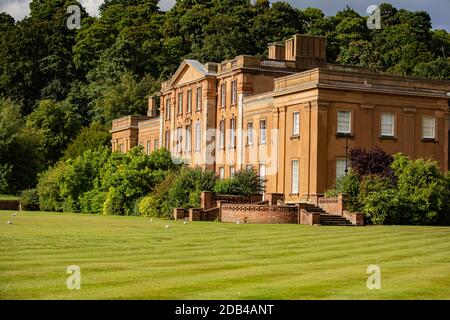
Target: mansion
[(292, 117)]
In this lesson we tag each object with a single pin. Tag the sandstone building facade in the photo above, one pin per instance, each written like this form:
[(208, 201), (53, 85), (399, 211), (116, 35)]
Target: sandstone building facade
[(291, 117)]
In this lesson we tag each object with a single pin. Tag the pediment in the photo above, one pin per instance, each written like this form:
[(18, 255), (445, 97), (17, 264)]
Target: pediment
[(187, 72)]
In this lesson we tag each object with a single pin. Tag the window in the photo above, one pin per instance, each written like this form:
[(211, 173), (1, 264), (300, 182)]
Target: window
[(155, 144), (188, 146), (231, 172), (167, 108), (340, 168), (429, 127), (221, 172), (262, 174), (120, 147), (262, 132), (233, 132), (294, 172), (344, 120), (296, 124), (180, 103), (167, 140), (223, 95), (179, 139), (199, 98), (250, 133), (222, 134), (198, 136), (148, 146), (387, 124), (189, 100), (234, 92)]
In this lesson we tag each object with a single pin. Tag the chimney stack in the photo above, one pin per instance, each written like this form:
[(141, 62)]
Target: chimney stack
[(152, 107)]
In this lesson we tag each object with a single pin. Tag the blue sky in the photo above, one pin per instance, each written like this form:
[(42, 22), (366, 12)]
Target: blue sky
[(438, 9)]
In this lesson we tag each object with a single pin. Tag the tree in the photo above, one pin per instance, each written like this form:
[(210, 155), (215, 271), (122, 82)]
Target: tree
[(89, 138), (373, 162)]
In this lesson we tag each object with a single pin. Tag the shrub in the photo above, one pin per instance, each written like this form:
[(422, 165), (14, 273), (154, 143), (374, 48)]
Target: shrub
[(92, 201), (113, 204), (187, 185), (373, 162), (348, 185), (244, 183), (156, 204), (50, 198), (29, 200)]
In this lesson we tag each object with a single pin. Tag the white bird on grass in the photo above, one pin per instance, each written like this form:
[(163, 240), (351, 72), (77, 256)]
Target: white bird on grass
[(167, 226), (237, 222), (14, 214), (9, 222), (185, 222)]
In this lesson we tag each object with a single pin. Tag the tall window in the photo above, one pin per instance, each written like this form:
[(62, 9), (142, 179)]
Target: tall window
[(250, 133), (231, 172), (198, 136), (148, 146), (167, 140), (188, 146), (223, 95), (222, 134), (294, 188), (221, 172), (262, 132), (179, 139), (429, 127), (167, 107), (199, 98), (262, 174), (189, 100), (234, 92), (296, 124), (344, 120), (155, 144), (233, 132), (387, 124), (180, 103), (340, 168)]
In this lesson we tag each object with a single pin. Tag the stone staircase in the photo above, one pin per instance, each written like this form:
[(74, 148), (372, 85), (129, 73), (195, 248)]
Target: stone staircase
[(327, 219)]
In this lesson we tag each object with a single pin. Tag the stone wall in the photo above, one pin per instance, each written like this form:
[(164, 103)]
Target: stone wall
[(335, 205), (251, 213)]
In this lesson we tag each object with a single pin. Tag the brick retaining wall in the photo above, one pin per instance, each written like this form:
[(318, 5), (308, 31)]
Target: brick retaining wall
[(9, 205), (251, 213)]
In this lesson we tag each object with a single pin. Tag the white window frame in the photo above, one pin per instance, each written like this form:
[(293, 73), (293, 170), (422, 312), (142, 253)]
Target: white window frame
[(156, 144), (430, 126), (189, 101), (180, 103), (296, 124), (221, 172), (179, 140), (262, 174), (250, 133), (167, 140), (233, 132), (198, 136), (222, 134), (262, 132), (340, 168), (387, 117), (348, 126), (199, 98), (294, 176), (168, 108), (149, 145), (234, 92), (223, 94), (188, 144), (232, 171)]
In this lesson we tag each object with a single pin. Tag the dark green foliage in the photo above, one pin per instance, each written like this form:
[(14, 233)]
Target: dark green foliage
[(187, 186), (156, 204), (29, 200), (48, 187), (417, 194), (89, 138), (244, 183)]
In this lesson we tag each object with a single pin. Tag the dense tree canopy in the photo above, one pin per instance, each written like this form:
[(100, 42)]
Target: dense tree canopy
[(107, 68)]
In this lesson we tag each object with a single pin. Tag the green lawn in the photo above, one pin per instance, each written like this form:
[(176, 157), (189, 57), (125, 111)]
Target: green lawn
[(134, 258), (8, 197)]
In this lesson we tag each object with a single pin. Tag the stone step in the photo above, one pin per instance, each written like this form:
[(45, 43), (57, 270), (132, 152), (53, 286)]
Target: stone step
[(334, 220)]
